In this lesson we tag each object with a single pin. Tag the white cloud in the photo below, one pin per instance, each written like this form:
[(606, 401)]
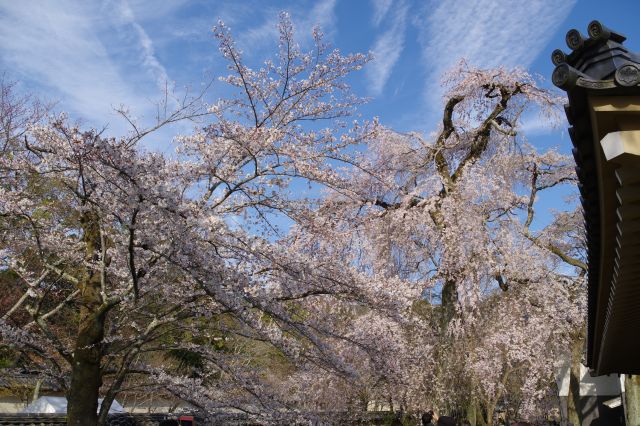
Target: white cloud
[(152, 10), (88, 56), (380, 9), (486, 33), (387, 50), (253, 39), (323, 15), (145, 45), (534, 124), (56, 46)]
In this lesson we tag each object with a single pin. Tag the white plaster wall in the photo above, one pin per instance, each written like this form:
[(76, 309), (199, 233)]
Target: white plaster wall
[(11, 404), (598, 386)]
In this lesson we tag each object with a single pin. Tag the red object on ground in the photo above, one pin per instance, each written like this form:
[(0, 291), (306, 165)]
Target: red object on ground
[(186, 421)]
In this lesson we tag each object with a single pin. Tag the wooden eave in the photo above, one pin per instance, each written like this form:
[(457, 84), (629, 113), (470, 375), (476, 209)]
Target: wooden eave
[(602, 80)]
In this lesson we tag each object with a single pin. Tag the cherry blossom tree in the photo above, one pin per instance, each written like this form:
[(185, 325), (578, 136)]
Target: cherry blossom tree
[(454, 213), (158, 263), (420, 278)]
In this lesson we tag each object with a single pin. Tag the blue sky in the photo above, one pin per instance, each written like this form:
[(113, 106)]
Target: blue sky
[(92, 55)]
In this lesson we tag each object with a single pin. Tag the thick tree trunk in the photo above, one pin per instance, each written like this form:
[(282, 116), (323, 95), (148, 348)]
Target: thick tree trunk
[(448, 306), (574, 415), (86, 374), (564, 416), (490, 410), (471, 413), (445, 315), (86, 377), (632, 400), (573, 400)]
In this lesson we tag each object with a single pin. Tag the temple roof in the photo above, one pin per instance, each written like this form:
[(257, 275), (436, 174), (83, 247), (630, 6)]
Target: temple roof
[(601, 78), (598, 62)]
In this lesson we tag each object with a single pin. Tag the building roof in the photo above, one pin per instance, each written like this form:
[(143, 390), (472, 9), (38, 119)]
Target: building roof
[(11, 378), (602, 81)]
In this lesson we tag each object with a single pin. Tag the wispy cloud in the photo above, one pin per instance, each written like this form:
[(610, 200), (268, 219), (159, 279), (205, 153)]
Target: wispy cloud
[(380, 9), (533, 124), (322, 14), (91, 57), (252, 39), (56, 47), (152, 10), (255, 38), (486, 32), (387, 49), (145, 46)]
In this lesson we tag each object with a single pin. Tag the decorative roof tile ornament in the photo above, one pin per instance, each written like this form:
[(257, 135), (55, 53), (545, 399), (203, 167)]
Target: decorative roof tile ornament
[(602, 81)]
